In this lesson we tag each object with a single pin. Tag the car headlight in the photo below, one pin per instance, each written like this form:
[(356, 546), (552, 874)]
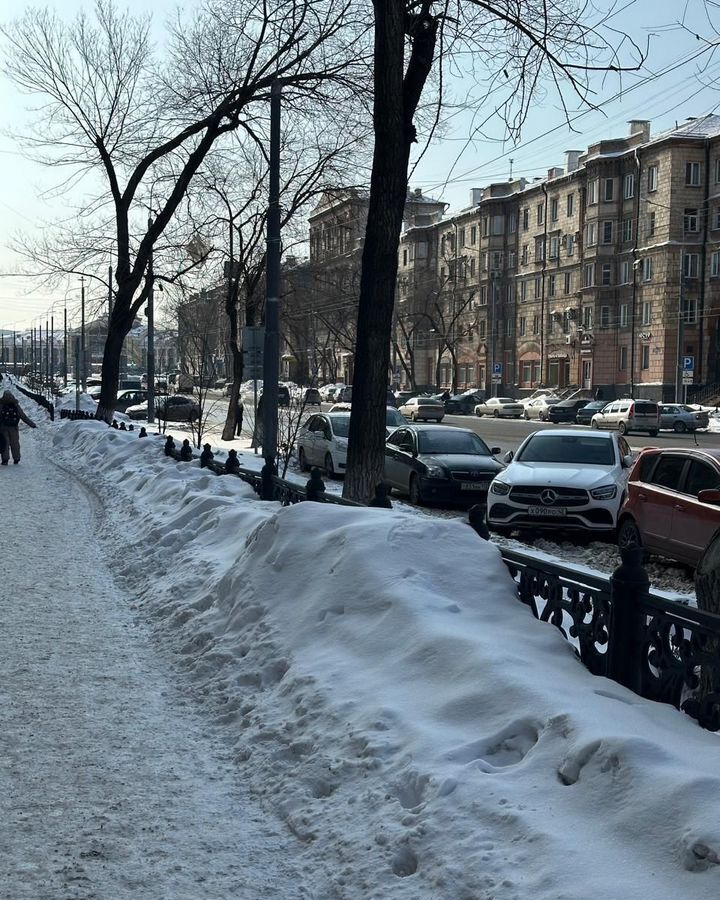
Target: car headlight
[(606, 492), (341, 445), (499, 487), (435, 472)]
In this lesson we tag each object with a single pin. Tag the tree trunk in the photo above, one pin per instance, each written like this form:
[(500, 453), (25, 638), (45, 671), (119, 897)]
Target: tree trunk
[(237, 370), (707, 590), (395, 101), (120, 325)]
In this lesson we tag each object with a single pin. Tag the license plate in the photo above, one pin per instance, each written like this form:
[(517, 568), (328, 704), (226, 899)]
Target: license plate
[(549, 512), (474, 485)]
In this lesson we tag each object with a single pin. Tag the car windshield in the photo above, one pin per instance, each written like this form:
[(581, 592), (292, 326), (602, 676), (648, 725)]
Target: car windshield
[(446, 441), (340, 425), (505, 400), (393, 418), (562, 448)]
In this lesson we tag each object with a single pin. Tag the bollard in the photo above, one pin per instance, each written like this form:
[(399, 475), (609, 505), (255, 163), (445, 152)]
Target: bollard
[(266, 475), (131, 427), (629, 585), (381, 499), (315, 487), (186, 451), (142, 432), (232, 463), (169, 447), (476, 520), (206, 456)]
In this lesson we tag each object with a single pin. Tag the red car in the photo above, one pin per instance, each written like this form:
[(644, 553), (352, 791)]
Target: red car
[(673, 503)]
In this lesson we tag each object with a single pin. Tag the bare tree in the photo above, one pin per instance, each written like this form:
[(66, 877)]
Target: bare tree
[(110, 113), (516, 51)]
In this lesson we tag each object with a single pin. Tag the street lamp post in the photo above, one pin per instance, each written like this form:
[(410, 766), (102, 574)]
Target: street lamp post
[(151, 336)]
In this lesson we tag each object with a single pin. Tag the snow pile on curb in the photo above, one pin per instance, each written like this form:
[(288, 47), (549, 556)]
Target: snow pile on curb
[(382, 688)]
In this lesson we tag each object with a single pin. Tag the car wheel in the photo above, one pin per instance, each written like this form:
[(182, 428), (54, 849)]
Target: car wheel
[(479, 415), (414, 490), (413, 417), (502, 530), (329, 467), (302, 461), (594, 425), (622, 428), (653, 433), (680, 427), (526, 416), (496, 414), (628, 534)]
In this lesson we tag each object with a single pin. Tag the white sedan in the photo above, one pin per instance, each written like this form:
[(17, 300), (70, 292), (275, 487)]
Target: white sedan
[(538, 408), (563, 479), (500, 407), (323, 440)]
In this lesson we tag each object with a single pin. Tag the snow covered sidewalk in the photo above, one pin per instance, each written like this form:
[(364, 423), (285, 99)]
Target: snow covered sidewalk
[(110, 786)]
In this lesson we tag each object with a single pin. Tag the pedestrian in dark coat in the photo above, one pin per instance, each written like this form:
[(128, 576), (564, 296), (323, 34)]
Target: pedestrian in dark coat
[(239, 411), (10, 417)]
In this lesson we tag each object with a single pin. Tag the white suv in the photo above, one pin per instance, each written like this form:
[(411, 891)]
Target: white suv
[(629, 415), (565, 479)]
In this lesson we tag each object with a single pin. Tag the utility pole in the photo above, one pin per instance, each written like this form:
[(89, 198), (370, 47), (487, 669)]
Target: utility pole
[(109, 295), (272, 299), (65, 369), (47, 356), (51, 381), (15, 354), (83, 366), (151, 335)]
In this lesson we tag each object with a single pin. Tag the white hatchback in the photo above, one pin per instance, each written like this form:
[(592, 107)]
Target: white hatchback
[(564, 480)]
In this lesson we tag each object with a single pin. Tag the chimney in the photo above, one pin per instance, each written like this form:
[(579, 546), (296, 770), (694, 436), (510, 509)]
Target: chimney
[(571, 160), (555, 172), (476, 195), (418, 193), (640, 126)]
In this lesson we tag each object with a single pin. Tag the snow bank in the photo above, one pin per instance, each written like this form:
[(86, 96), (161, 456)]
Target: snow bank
[(382, 688)]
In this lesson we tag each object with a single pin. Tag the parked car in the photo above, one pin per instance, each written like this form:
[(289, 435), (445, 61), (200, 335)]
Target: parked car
[(393, 417), (425, 408), (629, 415), (562, 480), (345, 396), (500, 407), (538, 408), (176, 408), (585, 413), (322, 441), (309, 397), (464, 404), (439, 464), (129, 398), (682, 418), (673, 503), (565, 410)]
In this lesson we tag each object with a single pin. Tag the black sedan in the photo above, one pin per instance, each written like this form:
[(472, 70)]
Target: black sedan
[(585, 413), (440, 464), (565, 410), (464, 404)]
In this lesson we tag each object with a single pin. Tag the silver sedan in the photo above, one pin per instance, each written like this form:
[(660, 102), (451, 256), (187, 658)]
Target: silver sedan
[(500, 407), (681, 418)]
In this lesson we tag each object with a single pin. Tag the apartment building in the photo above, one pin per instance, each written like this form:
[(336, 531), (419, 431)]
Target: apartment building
[(602, 275)]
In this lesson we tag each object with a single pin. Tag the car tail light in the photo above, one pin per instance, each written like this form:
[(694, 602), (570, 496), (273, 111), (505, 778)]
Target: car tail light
[(631, 412)]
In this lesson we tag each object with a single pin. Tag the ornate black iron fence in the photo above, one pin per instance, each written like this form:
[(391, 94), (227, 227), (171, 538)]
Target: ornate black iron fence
[(659, 648)]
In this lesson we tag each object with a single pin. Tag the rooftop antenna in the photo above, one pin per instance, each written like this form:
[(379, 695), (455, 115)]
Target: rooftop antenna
[(511, 165)]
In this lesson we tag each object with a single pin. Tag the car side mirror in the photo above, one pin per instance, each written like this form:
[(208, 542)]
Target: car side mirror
[(495, 450), (508, 458), (711, 495), (627, 461)]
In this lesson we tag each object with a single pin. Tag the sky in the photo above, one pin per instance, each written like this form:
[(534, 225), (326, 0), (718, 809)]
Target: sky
[(677, 81), (407, 727)]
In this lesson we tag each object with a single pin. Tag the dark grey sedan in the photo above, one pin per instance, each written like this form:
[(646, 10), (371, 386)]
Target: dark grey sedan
[(440, 464)]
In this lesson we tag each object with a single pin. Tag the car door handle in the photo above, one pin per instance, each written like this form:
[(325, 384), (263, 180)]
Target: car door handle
[(680, 507), (642, 496)]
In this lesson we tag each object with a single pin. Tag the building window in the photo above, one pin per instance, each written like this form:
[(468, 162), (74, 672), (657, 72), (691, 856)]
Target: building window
[(651, 224), (538, 288), (523, 326), (689, 310), (508, 328), (512, 223), (629, 186), (691, 265), (484, 226), (608, 189), (652, 178), (525, 219), (717, 170), (647, 312), (541, 213), (498, 224), (554, 209), (690, 221), (623, 315), (606, 277), (607, 232), (623, 359), (625, 270), (524, 255), (645, 356), (591, 234), (627, 230), (551, 285), (715, 264), (472, 266), (567, 287), (405, 257), (473, 235), (512, 259), (481, 329), (483, 295), (570, 242), (589, 276), (497, 261), (647, 268), (588, 317), (536, 325), (523, 290), (554, 247), (461, 238), (592, 192), (604, 316), (693, 172), (570, 204)]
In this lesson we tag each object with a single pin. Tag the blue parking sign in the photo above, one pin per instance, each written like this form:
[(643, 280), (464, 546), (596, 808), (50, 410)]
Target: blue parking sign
[(497, 368), (688, 363)]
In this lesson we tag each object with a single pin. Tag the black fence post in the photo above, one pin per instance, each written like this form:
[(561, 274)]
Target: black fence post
[(629, 585)]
